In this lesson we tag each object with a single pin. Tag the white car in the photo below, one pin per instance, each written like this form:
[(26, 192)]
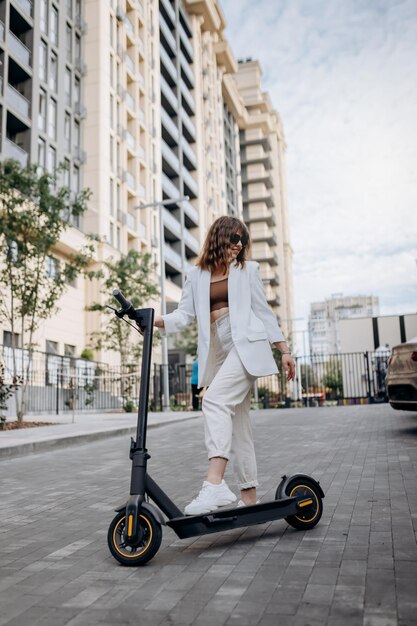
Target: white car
[(401, 379)]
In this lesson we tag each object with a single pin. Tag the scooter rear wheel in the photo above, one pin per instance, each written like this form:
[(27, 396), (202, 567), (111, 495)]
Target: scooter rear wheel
[(150, 537), (310, 515)]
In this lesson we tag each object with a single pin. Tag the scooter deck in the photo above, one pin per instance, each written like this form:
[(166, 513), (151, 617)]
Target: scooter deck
[(229, 518)]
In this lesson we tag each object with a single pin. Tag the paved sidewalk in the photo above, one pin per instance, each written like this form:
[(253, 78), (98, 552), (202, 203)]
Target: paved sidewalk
[(357, 567), (86, 427)]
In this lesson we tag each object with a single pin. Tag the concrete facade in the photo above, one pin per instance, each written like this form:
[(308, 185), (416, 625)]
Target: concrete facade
[(325, 317), (144, 102)]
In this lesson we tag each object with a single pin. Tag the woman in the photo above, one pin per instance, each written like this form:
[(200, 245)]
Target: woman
[(236, 328)]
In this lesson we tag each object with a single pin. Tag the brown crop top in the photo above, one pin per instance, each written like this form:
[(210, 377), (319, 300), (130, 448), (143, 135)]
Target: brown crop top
[(219, 297)]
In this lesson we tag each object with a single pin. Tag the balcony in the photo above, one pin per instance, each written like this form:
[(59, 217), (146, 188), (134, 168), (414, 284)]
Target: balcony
[(191, 242), (131, 222), (261, 232), (170, 68), (192, 189), (187, 70), (169, 188), (13, 151), (165, 30), (130, 102), (141, 152), (18, 102), (186, 42), (172, 256), (254, 136), (187, 97), (188, 126), (171, 222), (262, 252), (26, 6), (129, 26), (19, 50), (130, 64), (257, 173), (130, 180), (259, 212), (141, 116), (257, 192), (169, 125), (191, 213), (130, 140), (188, 153), (256, 154), (170, 159), (169, 10), (169, 94)]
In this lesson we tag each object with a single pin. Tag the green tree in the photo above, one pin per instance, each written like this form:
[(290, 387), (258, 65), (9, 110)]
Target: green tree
[(132, 274), (34, 213), (333, 377)]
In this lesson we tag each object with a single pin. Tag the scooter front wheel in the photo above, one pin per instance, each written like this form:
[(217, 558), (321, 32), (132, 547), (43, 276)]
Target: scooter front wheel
[(150, 537), (309, 516)]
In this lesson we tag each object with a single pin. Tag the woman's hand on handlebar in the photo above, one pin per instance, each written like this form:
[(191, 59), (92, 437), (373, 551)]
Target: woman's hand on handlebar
[(158, 322)]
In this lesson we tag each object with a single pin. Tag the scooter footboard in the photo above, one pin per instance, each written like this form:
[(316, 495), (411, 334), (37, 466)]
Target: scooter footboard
[(229, 518)]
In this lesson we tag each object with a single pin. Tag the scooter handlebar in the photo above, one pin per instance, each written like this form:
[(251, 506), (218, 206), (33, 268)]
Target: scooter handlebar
[(124, 302)]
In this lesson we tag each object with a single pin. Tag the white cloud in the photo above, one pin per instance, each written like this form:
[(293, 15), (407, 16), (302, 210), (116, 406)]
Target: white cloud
[(342, 75)]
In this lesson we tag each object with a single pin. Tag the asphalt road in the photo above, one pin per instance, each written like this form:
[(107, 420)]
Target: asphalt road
[(358, 566)]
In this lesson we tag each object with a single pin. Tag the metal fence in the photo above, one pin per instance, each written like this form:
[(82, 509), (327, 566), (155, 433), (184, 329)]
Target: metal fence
[(336, 379), (56, 384)]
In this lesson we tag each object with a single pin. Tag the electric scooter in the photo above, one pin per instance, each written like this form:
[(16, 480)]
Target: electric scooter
[(135, 533)]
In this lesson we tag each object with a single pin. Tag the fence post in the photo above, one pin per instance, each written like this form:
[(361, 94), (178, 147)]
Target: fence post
[(368, 377)]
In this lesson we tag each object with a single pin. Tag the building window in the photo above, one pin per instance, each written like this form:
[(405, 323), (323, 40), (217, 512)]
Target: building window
[(66, 173), (51, 347), (42, 110), (43, 55), (77, 135), (52, 268), (111, 233), (111, 153), (77, 8), (77, 48), (111, 190), (111, 111), (51, 165), (77, 92), (11, 340), (67, 132), (53, 26), (43, 22), (118, 242), (67, 86), (69, 43), (52, 115), (41, 153), (111, 32), (53, 74), (69, 8), (69, 350), (76, 179)]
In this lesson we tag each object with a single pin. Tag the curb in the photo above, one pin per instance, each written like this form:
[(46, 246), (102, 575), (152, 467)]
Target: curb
[(49, 445)]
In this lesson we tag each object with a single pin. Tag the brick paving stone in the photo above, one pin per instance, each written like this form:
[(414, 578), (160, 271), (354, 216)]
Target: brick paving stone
[(358, 566)]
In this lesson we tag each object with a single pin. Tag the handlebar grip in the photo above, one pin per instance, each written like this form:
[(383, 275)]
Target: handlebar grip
[(125, 304)]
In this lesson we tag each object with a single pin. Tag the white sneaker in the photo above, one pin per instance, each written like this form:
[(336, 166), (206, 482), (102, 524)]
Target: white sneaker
[(241, 503), (210, 498)]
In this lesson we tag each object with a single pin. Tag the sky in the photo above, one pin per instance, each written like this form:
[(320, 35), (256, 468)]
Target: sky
[(343, 76)]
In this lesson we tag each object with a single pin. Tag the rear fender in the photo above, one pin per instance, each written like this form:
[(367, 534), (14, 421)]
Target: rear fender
[(281, 490)]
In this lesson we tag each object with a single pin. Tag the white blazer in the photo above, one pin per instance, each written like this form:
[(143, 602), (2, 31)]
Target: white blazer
[(253, 324)]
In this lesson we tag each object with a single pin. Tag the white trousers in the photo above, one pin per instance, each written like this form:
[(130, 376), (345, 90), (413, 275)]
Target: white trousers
[(226, 405)]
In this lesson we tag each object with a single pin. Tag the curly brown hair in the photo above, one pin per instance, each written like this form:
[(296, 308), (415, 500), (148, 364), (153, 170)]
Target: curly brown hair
[(215, 252)]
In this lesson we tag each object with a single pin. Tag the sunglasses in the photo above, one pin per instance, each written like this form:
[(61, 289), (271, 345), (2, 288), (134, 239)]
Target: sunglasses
[(235, 238)]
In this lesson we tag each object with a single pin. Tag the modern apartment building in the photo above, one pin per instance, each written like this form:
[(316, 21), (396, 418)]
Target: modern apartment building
[(145, 103), (323, 324), (262, 148)]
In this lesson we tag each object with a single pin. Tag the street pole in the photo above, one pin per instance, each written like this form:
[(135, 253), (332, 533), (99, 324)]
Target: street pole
[(165, 369)]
